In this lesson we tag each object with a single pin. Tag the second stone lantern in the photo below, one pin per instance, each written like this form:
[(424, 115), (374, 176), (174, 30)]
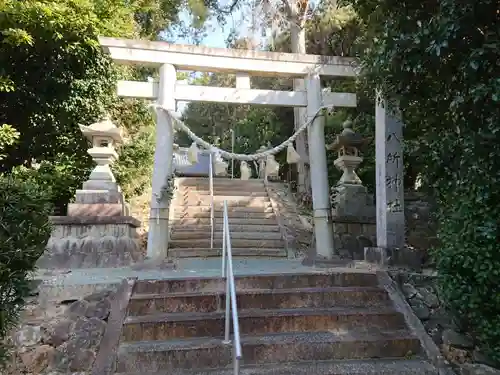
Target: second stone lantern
[(350, 199)]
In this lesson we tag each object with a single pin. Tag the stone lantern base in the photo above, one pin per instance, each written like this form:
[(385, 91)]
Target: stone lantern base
[(351, 201), (353, 217), (98, 203), (92, 242), (97, 232)]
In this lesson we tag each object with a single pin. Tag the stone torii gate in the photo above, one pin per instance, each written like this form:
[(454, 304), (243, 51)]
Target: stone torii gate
[(170, 58)]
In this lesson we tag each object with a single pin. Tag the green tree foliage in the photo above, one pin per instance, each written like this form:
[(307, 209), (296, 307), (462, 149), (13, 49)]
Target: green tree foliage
[(134, 169), (440, 60), (54, 76), (60, 79), (332, 31), (8, 137), (24, 231), (337, 31), (253, 126)]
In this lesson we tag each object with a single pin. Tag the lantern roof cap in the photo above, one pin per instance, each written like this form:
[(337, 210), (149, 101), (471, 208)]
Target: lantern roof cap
[(348, 138), (104, 128)]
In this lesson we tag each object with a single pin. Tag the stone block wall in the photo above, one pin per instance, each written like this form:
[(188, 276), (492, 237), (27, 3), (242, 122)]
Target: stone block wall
[(421, 229), (352, 235)]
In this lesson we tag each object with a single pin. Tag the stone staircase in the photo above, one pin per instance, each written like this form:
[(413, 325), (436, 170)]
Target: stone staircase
[(316, 324), (254, 227)]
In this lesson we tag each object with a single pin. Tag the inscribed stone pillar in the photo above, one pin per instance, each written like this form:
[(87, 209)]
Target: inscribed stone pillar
[(159, 210), (389, 177)]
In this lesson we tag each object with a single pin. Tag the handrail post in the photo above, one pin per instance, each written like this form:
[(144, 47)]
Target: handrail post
[(224, 246), (228, 280), (232, 151), (236, 366), (211, 188), (228, 310), (231, 303)]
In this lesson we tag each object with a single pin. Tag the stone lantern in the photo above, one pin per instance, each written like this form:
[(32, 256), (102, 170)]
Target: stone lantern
[(348, 145), (262, 163), (104, 136), (100, 196), (349, 197), (98, 230)]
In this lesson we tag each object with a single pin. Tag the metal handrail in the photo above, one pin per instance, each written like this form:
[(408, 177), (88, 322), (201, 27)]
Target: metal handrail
[(232, 151), (211, 188), (231, 305)]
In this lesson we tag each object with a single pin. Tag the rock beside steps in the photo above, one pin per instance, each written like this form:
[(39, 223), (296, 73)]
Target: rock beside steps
[(333, 324), (254, 227)]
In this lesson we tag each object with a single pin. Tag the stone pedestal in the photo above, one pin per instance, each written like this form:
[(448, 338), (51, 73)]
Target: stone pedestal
[(92, 242), (353, 216), (353, 203)]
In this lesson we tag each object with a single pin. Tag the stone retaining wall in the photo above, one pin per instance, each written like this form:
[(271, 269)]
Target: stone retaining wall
[(297, 227), (421, 293), (420, 227), (351, 235), (350, 238), (60, 338)]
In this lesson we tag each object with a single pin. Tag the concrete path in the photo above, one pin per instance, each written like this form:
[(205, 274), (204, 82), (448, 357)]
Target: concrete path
[(72, 284)]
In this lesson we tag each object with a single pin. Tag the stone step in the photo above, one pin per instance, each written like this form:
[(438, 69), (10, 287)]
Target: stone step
[(235, 242), (226, 193), (218, 210), (204, 181), (217, 252), (348, 278), (261, 216), (144, 304), (278, 348), (221, 198), (205, 214), (219, 203), (268, 220), (335, 367), (203, 235), (240, 187), (271, 227), (253, 322)]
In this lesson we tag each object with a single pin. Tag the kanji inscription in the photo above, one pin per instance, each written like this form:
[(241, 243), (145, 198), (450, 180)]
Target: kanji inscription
[(390, 176)]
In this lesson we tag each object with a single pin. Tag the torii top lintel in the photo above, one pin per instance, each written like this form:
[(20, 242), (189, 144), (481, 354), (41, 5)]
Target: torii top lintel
[(199, 58)]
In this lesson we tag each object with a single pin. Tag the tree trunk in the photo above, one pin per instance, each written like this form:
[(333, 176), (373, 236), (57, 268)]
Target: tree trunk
[(298, 40)]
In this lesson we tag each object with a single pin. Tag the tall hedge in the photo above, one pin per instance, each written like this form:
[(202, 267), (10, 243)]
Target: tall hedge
[(24, 232), (440, 60)]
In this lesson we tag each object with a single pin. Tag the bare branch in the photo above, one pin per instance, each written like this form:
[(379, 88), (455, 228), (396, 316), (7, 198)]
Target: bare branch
[(289, 9), (228, 10)]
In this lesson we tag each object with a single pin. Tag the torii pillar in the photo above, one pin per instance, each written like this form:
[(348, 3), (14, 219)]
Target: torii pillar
[(158, 235)]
